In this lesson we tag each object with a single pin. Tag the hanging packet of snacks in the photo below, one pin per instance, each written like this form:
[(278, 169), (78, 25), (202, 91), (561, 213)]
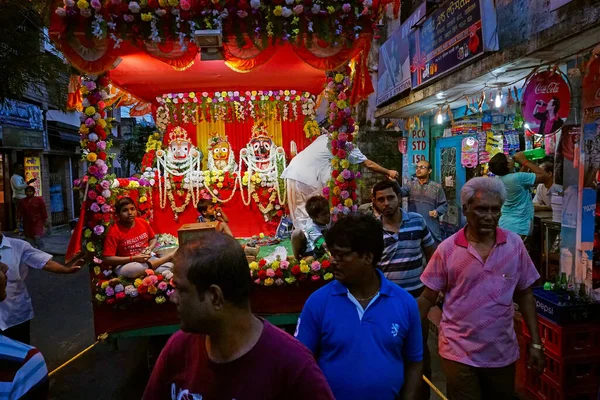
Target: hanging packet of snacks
[(550, 143), (511, 142), (494, 144), (484, 155), (469, 155)]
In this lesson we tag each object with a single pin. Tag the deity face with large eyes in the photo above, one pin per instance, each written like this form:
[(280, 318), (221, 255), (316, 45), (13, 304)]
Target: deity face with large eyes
[(261, 148), (180, 149), (221, 152)]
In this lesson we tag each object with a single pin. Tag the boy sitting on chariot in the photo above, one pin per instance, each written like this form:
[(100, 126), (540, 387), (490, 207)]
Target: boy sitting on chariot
[(209, 212), (310, 242)]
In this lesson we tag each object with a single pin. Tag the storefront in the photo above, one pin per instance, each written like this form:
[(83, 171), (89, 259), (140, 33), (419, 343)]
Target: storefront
[(22, 141)]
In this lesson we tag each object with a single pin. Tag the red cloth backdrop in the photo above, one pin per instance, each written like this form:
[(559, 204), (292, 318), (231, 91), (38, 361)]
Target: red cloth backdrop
[(245, 221)]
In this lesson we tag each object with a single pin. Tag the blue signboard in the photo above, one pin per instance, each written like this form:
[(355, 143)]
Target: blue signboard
[(455, 33), (22, 115), (394, 60)]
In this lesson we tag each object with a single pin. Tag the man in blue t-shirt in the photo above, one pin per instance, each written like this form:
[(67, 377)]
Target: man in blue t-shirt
[(364, 331), (517, 210)]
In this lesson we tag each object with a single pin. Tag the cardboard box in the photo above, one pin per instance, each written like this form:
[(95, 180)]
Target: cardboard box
[(194, 231)]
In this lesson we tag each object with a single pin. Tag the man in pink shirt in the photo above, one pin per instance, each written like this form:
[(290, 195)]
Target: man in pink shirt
[(481, 269)]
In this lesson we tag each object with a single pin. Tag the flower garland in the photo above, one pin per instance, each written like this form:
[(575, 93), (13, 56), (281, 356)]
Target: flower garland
[(94, 131), (116, 291), (262, 20), (341, 190), (236, 106), (280, 272), (312, 130)]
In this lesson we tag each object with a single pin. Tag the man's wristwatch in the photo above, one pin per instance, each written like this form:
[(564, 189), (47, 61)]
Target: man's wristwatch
[(537, 346)]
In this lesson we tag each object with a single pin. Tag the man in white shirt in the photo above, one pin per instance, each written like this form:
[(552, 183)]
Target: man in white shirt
[(309, 172), (543, 192), (16, 311), (17, 186)]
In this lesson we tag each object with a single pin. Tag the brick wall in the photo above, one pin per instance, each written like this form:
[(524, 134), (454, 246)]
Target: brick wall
[(380, 146)]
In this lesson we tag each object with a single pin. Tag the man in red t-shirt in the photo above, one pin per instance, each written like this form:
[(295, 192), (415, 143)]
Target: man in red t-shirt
[(223, 351)]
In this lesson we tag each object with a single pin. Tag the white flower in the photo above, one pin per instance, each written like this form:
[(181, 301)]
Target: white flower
[(224, 13), (85, 103), (106, 193), (167, 275), (115, 184), (69, 3), (134, 7), (61, 12), (160, 12), (119, 288), (368, 3), (92, 137), (286, 12), (316, 9), (255, 4)]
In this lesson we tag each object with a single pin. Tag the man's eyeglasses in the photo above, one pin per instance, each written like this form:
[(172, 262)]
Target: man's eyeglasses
[(422, 167), (340, 255)]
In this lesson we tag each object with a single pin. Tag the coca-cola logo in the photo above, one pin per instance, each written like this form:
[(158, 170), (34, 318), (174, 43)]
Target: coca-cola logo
[(551, 88)]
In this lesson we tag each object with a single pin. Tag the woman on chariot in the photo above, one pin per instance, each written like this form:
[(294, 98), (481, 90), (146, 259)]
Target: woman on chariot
[(130, 242)]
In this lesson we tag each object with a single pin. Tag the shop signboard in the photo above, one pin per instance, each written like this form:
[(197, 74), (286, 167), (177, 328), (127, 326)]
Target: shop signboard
[(457, 32), (418, 146), (33, 169), (546, 102), (21, 114), (394, 60)]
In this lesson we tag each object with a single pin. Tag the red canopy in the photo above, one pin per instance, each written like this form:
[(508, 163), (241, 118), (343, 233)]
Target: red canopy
[(147, 77)]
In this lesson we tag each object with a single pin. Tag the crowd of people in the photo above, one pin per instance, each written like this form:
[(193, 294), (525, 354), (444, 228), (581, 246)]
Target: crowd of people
[(362, 336)]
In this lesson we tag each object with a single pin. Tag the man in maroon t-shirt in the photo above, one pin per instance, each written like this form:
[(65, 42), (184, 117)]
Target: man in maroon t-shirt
[(223, 351)]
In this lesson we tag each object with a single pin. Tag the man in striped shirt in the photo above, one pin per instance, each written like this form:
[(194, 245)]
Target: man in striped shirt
[(408, 242), (23, 372)]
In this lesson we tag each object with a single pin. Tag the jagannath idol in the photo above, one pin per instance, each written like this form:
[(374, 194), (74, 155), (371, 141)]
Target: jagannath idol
[(180, 159), (264, 161), (220, 156)]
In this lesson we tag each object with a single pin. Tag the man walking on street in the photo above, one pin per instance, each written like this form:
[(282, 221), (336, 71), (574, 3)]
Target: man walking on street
[(16, 311), (427, 198), (407, 239), (223, 351), (481, 269), (363, 329)]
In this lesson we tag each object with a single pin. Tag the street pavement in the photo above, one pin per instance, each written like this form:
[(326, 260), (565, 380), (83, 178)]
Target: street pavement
[(63, 326)]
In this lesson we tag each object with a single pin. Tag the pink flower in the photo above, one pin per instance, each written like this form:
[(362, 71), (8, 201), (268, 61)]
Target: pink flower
[(95, 207), (346, 174), (90, 122), (347, 8), (257, 281), (354, 208), (90, 85), (96, 4), (341, 154), (153, 279), (185, 5), (100, 200), (242, 14), (343, 136), (101, 145), (270, 273), (106, 208), (105, 184), (147, 281), (92, 195), (279, 281), (128, 18), (162, 286), (98, 229), (93, 170), (342, 96), (326, 191), (315, 277), (315, 266), (299, 9), (106, 193), (284, 264), (344, 194), (109, 291)]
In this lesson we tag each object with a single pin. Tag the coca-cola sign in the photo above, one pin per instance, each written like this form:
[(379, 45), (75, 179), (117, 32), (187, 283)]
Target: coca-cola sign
[(546, 102), (591, 85)]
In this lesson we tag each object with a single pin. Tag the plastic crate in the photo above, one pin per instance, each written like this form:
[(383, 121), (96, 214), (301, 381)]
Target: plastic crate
[(543, 388), (547, 305), (568, 341), (571, 374)]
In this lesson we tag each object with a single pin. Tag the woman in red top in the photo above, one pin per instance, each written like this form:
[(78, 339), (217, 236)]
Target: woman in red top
[(129, 244), (32, 210)]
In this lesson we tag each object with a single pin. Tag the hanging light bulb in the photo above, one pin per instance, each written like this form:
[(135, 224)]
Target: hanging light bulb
[(498, 101), (440, 117), (526, 126)]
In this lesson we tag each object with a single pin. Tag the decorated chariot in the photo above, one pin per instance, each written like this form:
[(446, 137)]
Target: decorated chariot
[(234, 88)]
